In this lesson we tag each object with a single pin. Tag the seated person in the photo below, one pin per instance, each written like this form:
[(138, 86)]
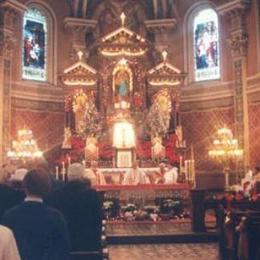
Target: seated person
[(135, 176), (171, 175), (81, 206), (40, 231), (95, 175)]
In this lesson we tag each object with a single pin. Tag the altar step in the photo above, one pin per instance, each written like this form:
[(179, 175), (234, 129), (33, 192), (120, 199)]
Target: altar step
[(156, 233)]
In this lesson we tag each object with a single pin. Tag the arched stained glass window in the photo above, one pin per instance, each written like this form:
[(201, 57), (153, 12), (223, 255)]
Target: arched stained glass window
[(34, 45), (206, 45)]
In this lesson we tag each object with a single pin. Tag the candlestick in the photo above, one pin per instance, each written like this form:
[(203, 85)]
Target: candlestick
[(57, 172), (63, 173)]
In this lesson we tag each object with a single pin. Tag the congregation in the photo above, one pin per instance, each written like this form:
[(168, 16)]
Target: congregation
[(48, 219)]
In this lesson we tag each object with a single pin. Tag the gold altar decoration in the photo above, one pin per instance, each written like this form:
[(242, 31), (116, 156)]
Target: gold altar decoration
[(165, 74), (225, 148), (25, 147), (123, 42), (80, 74)]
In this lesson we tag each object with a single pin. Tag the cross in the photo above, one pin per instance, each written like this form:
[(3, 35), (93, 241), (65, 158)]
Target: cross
[(80, 54)]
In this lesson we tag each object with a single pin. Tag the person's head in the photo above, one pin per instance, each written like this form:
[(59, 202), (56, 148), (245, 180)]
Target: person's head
[(37, 183), (76, 171)]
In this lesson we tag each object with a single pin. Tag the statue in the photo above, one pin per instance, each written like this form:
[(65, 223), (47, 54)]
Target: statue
[(66, 144), (79, 107), (122, 84), (158, 150), (91, 149)]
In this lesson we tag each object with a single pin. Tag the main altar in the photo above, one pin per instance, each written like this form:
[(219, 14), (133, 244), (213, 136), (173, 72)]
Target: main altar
[(123, 107)]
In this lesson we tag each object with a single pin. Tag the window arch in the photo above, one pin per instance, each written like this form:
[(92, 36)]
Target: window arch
[(202, 52), (38, 53), (206, 45)]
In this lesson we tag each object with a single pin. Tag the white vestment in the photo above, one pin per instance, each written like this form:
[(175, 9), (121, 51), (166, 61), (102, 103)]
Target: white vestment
[(134, 177), (171, 176)]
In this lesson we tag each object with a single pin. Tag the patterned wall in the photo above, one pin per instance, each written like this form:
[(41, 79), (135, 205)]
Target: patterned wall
[(199, 128), (254, 136), (47, 127)]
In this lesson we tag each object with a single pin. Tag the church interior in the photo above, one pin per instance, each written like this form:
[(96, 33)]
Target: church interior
[(157, 101)]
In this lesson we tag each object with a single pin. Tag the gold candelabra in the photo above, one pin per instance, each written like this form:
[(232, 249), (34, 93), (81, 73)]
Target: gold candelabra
[(225, 149), (25, 147)]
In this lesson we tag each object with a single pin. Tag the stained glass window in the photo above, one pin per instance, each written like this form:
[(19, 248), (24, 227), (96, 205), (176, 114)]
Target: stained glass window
[(206, 45), (34, 45)]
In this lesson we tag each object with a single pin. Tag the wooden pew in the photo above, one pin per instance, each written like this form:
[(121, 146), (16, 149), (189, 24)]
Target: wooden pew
[(93, 255), (239, 234)]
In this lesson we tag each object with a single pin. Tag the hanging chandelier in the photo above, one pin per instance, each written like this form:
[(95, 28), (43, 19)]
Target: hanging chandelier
[(25, 147)]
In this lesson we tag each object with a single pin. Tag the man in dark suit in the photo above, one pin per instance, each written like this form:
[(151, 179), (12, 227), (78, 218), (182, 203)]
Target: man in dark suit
[(82, 209), (40, 231)]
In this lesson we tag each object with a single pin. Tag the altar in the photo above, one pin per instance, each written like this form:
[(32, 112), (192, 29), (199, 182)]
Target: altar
[(123, 110)]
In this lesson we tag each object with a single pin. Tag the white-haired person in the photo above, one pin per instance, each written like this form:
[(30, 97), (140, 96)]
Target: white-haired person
[(8, 247), (81, 206)]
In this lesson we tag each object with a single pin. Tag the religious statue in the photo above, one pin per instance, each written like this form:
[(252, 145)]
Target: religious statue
[(122, 85), (79, 107), (91, 148), (158, 150), (66, 144)]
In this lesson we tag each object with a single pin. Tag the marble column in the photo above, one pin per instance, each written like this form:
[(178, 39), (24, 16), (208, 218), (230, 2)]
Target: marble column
[(9, 11), (238, 42)]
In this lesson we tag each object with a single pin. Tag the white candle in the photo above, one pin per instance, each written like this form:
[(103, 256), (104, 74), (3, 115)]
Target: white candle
[(69, 160), (63, 172), (57, 172), (63, 165)]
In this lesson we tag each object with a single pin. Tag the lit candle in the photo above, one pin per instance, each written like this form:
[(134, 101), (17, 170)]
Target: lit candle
[(57, 172), (63, 172)]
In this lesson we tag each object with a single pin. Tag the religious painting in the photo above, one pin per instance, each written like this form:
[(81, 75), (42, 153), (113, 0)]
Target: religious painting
[(34, 47), (206, 45)]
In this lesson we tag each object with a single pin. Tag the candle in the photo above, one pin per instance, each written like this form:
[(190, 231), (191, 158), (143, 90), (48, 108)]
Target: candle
[(63, 172), (63, 165), (84, 163), (57, 172), (69, 160)]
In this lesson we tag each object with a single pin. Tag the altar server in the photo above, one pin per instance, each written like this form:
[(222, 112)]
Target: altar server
[(135, 176), (171, 175)]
